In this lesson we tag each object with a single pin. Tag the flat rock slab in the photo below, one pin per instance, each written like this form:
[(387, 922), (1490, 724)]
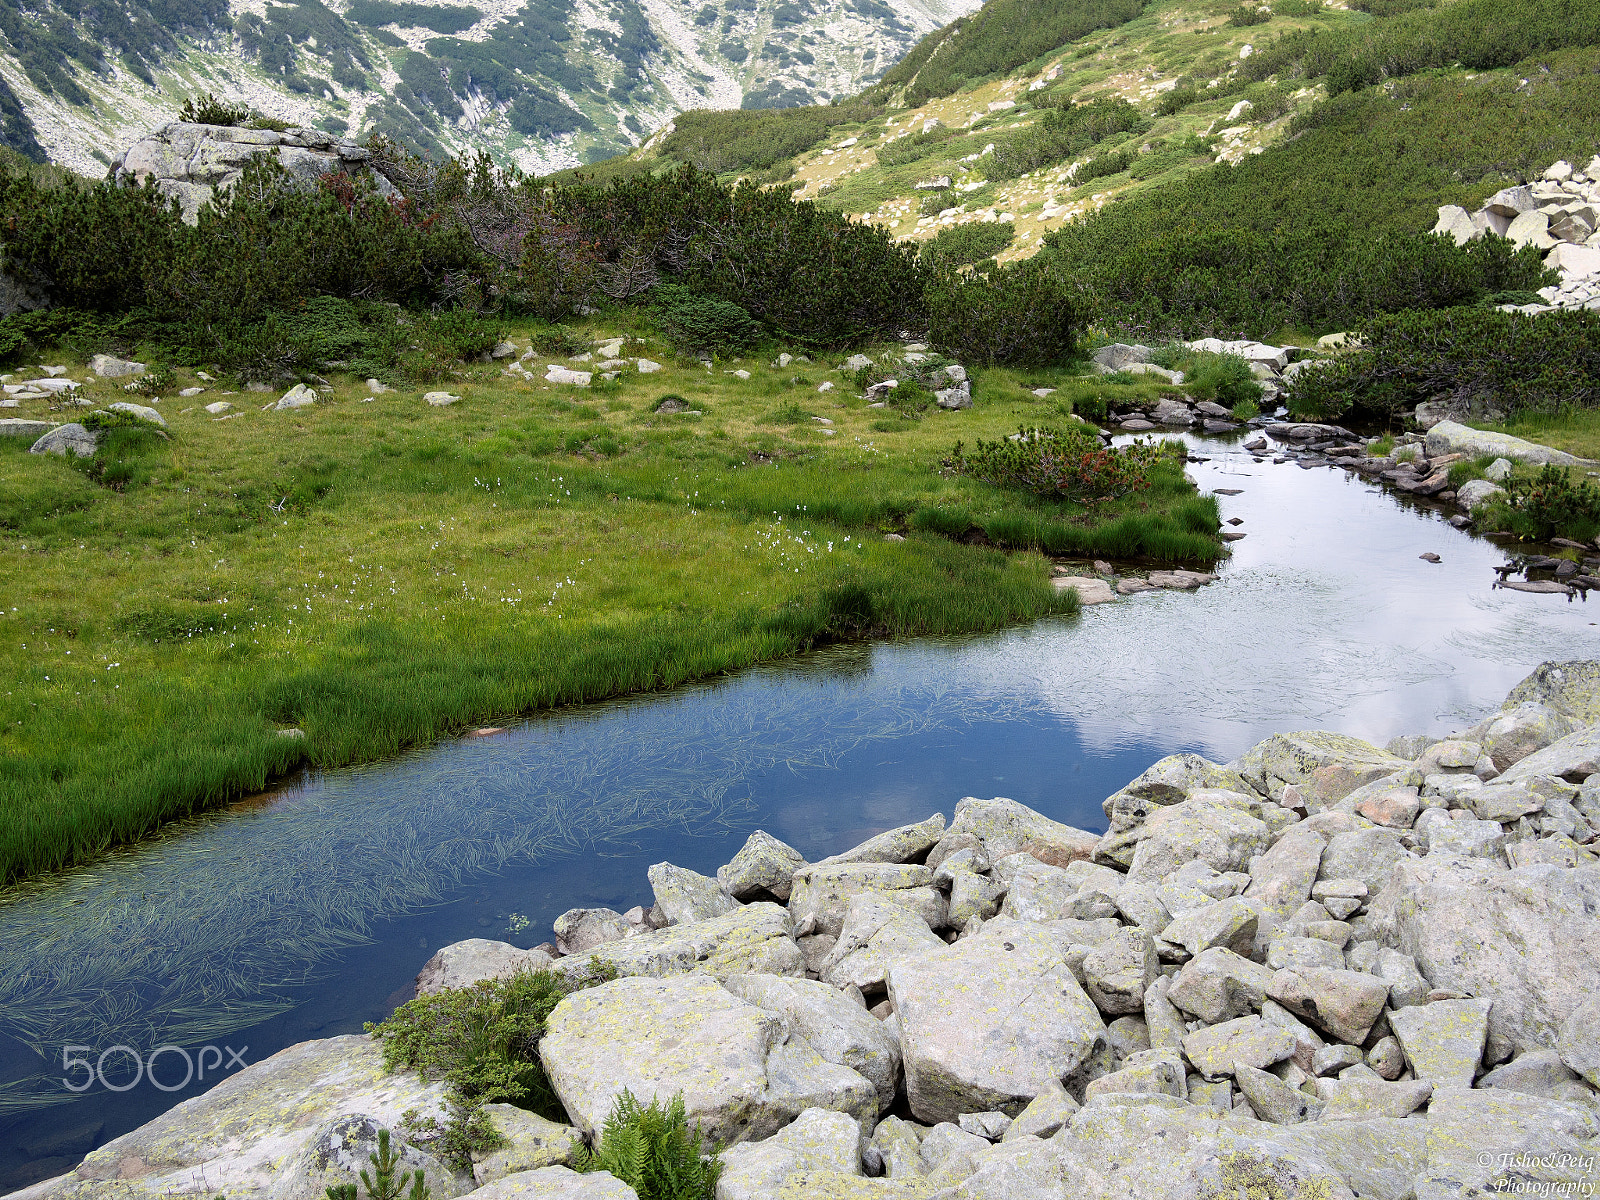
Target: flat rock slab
[(991, 1022), (557, 1183), (658, 1037), (1447, 437), (1090, 591), (235, 1138)]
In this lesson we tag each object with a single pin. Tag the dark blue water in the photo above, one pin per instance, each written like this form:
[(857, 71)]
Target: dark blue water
[(310, 911)]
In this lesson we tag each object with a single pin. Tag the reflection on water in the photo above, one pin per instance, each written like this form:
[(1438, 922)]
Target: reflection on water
[(270, 923)]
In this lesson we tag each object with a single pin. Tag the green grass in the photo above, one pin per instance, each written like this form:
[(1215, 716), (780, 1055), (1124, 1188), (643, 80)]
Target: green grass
[(378, 573), (1577, 431)]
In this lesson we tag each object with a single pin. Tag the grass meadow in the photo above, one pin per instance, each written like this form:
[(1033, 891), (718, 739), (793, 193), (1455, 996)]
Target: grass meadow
[(377, 572)]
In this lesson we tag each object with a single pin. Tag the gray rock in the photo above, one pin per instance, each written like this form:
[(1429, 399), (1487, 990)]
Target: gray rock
[(1045, 1115), (947, 1151), (466, 963), (1580, 1040), (1218, 985), (991, 1126), (1503, 803), (191, 163), (1334, 1058), (1536, 1073), (1365, 854), (1324, 766), (1281, 878), (1574, 758), (1252, 1041), (1447, 437), (1386, 1058), (1117, 971), (754, 939), (957, 396), (763, 864), (1214, 826), (72, 439), (1511, 735), (1467, 839), (818, 1154), (556, 1183), (1469, 1129), (299, 396), (1443, 1041), (685, 896), (32, 430), (1365, 1098), (836, 1027), (877, 931), (339, 1150), (902, 845), (1003, 827), (1230, 924), (895, 1150), (1037, 892), (1163, 1022), (1572, 688), (529, 1142), (109, 367), (1287, 952), (1475, 493), (1273, 1100), (141, 411), (236, 1137), (989, 1022), (1341, 1003), (821, 894), (1119, 356), (656, 1037), (1151, 1071), (579, 930), (1528, 939)]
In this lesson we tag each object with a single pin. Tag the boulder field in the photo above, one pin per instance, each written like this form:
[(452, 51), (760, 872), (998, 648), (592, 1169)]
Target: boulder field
[(1322, 971)]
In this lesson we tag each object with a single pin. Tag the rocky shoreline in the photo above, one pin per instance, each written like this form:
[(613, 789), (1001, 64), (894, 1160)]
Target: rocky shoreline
[(1323, 970)]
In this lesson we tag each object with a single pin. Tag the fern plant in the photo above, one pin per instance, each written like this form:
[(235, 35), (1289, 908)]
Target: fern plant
[(653, 1151)]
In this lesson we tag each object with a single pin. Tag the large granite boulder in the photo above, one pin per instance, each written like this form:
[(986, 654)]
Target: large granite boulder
[(1325, 766), (763, 865), (990, 1022), (835, 1026), (1003, 827), (339, 1150), (1572, 688), (739, 1077), (1213, 826), (238, 1137), (190, 163), (821, 894), (463, 964), (1528, 939), (906, 844)]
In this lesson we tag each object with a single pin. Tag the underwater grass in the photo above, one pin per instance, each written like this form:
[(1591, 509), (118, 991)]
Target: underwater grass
[(376, 572)]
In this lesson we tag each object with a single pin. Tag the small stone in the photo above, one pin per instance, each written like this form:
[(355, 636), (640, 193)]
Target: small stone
[(440, 399)]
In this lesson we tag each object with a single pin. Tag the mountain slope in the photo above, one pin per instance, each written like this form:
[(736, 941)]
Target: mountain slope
[(545, 84)]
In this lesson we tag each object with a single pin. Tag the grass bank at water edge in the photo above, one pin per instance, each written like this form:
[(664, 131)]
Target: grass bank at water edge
[(378, 572)]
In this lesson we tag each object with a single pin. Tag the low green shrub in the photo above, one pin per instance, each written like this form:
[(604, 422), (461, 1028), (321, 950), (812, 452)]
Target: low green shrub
[(963, 245), (652, 1149), (1107, 164), (1223, 378), (1481, 358), (483, 1042), (386, 1182), (1551, 504), (1070, 465), (706, 324), (1178, 99), (914, 146), (208, 110), (1480, 35), (1247, 15), (1024, 314), (1002, 35), (1062, 133), (935, 202)]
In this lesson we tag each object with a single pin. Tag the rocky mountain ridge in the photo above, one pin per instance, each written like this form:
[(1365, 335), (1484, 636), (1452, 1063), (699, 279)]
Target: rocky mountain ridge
[(544, 86)]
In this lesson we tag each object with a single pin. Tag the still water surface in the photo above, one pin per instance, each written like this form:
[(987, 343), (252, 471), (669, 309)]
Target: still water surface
[(304, 914)]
